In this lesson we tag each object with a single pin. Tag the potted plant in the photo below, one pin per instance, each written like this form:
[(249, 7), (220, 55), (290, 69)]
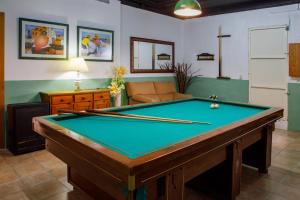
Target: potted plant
[(117, 85), (184, 74)]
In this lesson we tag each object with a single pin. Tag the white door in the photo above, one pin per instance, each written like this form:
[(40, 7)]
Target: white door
[(268, 68)]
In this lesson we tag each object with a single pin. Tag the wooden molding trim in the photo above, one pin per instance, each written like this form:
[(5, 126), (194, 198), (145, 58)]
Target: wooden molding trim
[(294, 59), (2, 133)]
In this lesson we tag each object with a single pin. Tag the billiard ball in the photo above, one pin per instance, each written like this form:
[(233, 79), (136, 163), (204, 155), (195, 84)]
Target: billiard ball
[(214, 105)]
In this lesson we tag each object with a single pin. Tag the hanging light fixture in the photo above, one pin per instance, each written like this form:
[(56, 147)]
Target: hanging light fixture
[(188, 8)]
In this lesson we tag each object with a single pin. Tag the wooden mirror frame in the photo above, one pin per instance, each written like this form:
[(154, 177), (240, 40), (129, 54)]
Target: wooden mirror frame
[(133, 70)]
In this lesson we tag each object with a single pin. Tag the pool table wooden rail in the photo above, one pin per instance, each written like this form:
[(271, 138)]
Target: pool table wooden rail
[(93, 167)]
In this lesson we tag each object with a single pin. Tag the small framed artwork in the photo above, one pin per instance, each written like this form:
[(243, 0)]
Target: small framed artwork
[(205, 56), (43, 40), (163, 56), (95, 44)]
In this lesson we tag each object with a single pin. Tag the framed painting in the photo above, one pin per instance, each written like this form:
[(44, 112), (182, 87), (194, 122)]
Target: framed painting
[(95, 44), (43, 40)]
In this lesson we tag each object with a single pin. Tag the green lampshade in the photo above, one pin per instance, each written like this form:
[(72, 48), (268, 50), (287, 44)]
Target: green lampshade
[(187, 8)]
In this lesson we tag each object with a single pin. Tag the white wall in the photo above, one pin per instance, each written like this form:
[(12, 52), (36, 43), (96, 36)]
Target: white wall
[(145, 24), (201, 36), (191, 37), (123, 20), (89, 13)]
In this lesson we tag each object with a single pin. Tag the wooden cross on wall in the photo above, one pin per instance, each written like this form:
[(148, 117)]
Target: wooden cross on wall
[(220, 37)]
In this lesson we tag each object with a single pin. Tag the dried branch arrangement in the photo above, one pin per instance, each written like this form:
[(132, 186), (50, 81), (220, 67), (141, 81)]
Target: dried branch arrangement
[(184, 74)]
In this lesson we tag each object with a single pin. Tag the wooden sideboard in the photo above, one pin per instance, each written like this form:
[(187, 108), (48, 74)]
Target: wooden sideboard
[(76, 100)]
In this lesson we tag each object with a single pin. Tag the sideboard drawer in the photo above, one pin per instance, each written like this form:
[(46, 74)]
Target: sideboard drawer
[(101, 104), (55, 108), (101, 96), (62, 99), (83, 97), (77, 100), (83, 106)]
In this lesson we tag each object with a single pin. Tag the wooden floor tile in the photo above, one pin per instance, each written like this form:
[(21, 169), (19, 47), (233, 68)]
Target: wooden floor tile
[(7, 175), (283, 190), (36, 179), (45, 190), (10, 188), (292, 180), (28, 167), (59, 172), (72, 195), (16, 196), (13, 160)]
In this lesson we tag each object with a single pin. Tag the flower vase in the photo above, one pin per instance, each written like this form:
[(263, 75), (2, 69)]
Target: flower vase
[(118, 100)]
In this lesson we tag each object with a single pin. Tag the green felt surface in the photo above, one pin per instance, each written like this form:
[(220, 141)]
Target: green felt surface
[(134, 138)]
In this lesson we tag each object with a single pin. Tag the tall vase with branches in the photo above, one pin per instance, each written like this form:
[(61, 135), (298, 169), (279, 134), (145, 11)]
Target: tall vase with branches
[(184, 74)]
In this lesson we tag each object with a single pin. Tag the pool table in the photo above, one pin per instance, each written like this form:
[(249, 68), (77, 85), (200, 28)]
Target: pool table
[(117, 158)]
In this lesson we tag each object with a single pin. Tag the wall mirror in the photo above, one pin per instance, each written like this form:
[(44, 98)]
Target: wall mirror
[(147, 55)]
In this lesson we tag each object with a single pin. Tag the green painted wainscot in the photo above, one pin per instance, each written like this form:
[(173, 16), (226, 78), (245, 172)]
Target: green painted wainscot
[(28, 91), (294, 107), (226, 90)]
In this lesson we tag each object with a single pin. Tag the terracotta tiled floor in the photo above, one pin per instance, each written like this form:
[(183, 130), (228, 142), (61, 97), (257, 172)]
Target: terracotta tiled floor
[(40, 175)]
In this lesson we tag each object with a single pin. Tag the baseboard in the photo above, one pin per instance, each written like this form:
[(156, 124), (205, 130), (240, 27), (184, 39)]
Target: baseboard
[(282, 124), (3, 151)]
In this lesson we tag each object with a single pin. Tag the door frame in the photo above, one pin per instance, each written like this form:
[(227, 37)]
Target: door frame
[(2, 103), (287, 71)]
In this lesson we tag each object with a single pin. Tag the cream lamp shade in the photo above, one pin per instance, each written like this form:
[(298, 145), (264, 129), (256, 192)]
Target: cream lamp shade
[(78, 64)]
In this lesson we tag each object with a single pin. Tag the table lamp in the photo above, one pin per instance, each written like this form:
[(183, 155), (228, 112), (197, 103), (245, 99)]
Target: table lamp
[(78, 65)]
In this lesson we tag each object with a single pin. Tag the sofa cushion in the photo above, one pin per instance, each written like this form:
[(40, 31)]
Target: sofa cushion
[(182, 96), (137, 88), (146, 98), (166, 97), (164, 87), (133, 102)]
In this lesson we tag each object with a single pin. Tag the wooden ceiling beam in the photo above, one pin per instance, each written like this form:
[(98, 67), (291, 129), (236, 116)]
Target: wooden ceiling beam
[(246, 6), (210, 7)]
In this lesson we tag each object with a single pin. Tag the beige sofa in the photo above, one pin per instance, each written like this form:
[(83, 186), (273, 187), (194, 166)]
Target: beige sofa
[(150, 92)]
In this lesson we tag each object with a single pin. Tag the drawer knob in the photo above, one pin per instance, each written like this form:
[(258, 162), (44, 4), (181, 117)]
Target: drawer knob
[(101, 96), (61, 100), (83, 98)]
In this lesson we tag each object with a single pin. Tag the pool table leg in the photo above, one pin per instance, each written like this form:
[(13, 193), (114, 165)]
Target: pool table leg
[(258, 154), (266, 149), (236, 162), (131, 195), (167, 187), (175, 185)]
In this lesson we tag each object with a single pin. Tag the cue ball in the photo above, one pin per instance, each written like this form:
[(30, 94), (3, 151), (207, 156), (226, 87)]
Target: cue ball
[(214, 105)]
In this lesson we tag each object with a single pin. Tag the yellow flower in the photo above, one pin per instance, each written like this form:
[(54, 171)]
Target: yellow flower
[(114, 89), (117, 82), (120, 71)]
